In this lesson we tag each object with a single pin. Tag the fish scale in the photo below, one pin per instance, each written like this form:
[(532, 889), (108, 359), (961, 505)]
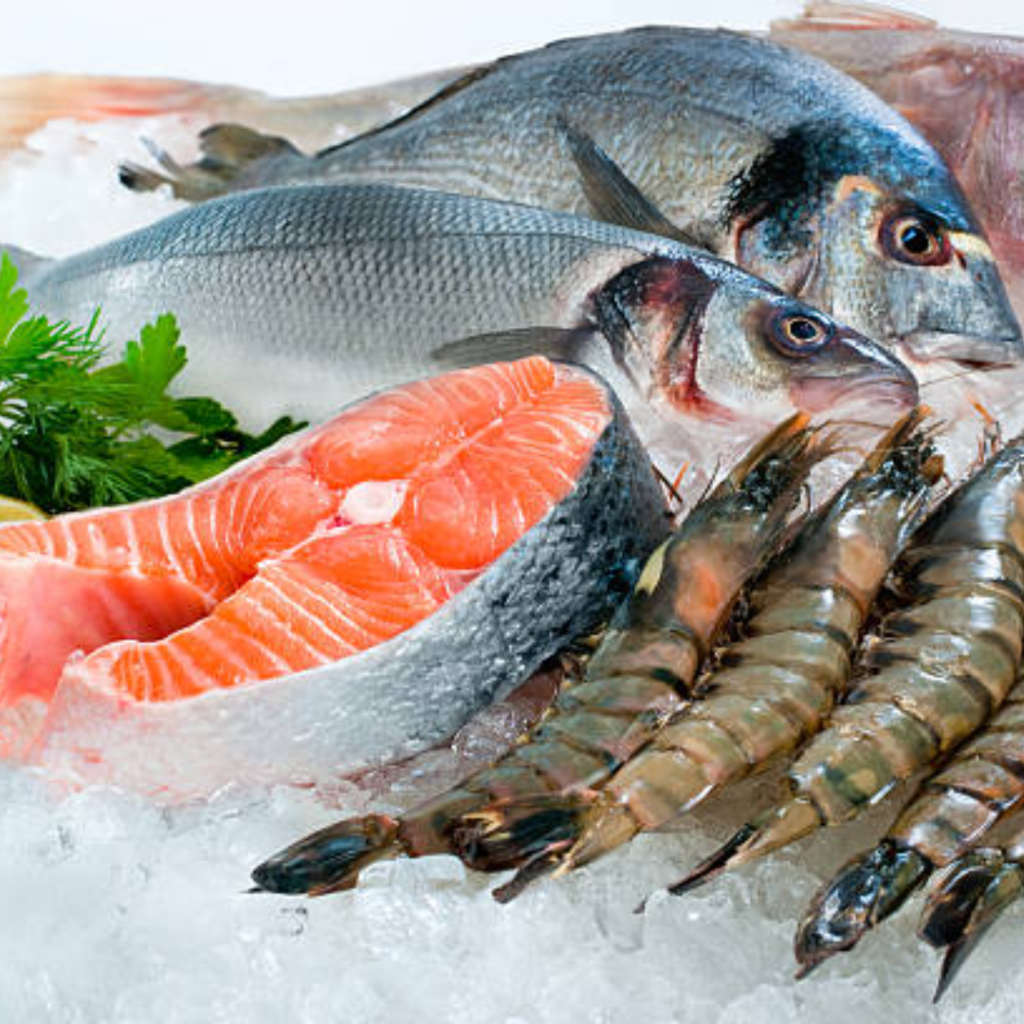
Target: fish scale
[(295, 300), (764, 155)]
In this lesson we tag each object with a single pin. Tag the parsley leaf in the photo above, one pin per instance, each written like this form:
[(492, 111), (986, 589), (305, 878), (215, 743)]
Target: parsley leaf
[(76, 435)]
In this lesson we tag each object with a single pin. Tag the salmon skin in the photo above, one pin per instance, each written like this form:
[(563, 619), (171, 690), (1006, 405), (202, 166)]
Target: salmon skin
[(962, 90), (296, 299), (766, 156), (349, 597)]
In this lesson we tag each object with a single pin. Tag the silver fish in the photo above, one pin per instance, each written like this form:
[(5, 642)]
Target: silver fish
[(767, 157), (296, 299)]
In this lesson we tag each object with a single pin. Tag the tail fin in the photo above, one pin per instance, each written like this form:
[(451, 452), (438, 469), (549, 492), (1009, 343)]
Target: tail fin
[(866, 891), (27, 102), (229, 153), (771, 830), (331, 859), (964, 904), (26, 263)]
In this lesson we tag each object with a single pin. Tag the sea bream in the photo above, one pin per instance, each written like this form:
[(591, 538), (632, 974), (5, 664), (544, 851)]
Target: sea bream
[(297, 299), (348, 597), (767, 157), (962, 90)]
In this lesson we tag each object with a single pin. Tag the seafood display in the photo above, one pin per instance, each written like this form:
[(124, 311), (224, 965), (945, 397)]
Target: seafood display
[(642, 671), (773, 688), (764, 156), (319, 586), (556, 297), (305, 298)]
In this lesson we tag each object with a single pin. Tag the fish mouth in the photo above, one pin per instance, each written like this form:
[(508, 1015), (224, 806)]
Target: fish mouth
[(972, 351), (895, 393)]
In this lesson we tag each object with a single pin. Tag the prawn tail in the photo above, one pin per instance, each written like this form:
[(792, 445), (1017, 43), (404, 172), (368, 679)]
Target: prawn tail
[(529, 834), (965, 902), (330, 860), (775, 828), (866, 890)]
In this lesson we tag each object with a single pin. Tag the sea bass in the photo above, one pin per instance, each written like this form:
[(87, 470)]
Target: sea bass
[(295, 299), (961, 89), (768, 158), (350, 596)]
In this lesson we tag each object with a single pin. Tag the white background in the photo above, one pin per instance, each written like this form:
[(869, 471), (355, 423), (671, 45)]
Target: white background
[(304, 46)]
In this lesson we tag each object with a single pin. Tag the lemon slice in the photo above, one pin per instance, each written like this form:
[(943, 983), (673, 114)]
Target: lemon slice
[(11, 510)]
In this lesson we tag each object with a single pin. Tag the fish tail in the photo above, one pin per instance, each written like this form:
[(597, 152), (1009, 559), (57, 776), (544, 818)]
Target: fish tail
[(230, 153), (27, 102)]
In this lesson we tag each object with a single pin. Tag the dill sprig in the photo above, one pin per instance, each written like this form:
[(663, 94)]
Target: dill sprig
[(75, 434)]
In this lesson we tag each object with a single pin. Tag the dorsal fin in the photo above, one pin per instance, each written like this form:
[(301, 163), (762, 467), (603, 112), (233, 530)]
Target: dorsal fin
[(613, 197), (443, 94)]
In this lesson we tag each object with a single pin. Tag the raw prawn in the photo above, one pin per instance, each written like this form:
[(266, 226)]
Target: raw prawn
[(944, 661), (776, 685), (979, 787)]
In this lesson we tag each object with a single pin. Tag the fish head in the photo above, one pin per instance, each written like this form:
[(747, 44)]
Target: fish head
[(718, 344), (874, 229)]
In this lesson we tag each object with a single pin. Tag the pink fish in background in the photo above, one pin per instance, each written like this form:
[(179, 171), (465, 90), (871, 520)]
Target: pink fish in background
[(27, 102), (964, 91)]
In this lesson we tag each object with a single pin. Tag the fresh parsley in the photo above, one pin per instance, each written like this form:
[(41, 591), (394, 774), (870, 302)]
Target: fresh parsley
[(75, 434)]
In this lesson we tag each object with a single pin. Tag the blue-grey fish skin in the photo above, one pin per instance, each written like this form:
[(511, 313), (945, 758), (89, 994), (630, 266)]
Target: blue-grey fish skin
[(767, 156), (299, 299), (559, 581)]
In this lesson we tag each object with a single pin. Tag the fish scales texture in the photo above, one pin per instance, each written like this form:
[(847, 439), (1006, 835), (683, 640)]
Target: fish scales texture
[(515, 812), (942, 663), (766, 156), (297, 299), (331, 604), (296, 278)]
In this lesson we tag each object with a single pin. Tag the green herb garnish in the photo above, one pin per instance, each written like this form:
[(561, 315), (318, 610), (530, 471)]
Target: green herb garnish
[(77, 435)]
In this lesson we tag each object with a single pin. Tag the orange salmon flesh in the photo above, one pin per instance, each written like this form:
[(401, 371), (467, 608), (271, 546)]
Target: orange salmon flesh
[(330, 543)]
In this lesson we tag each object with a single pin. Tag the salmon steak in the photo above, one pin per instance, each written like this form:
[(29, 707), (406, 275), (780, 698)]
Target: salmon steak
[(351, 596)]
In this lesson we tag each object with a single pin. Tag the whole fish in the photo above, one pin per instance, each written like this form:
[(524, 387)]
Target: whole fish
[(767, 157), (962, 90), (296, 299), (350, 596)]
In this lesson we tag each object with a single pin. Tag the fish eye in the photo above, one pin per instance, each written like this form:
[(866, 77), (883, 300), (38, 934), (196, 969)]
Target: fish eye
[(916, 239), (799, 334)]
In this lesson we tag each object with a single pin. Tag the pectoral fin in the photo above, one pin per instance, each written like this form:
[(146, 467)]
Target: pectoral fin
[(611, 194), (505, 346)]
